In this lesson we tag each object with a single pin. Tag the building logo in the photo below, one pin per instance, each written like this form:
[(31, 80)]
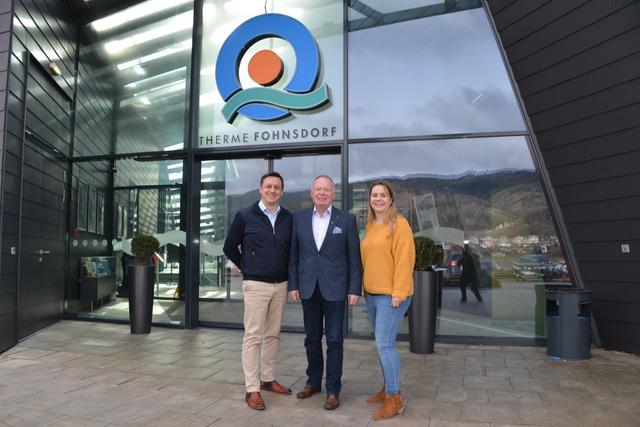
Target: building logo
[(265, 103)]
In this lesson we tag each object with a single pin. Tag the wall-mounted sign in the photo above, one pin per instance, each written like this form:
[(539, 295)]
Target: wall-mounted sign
[(265, 68), (271, 76)]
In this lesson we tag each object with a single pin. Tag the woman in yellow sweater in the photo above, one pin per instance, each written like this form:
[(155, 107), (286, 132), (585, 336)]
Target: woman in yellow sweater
[(388, 257)]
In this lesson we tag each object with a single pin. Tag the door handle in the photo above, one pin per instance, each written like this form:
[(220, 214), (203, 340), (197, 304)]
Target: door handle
[(42, 252)]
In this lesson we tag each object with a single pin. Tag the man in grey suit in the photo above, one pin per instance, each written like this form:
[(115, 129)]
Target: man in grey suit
[(324, 271)]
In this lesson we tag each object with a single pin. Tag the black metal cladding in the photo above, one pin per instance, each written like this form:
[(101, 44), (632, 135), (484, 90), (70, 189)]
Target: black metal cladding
[(577, 66), (7, 285), (36, 131)]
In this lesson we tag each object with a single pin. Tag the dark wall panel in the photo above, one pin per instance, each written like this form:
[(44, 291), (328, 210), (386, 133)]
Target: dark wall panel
[(34, 179), (605, 231), (614, 292), (577, 67), (7, 290), (604, 189), (587, 61), (615, 73)]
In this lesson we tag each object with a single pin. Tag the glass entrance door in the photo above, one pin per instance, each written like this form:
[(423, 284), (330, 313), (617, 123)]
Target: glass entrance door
[(229, 185)]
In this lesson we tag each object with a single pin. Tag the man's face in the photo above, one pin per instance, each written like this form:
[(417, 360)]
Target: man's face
[(271, 190), (322, 193)]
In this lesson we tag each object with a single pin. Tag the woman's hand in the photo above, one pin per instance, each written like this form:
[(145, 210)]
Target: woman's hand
[(395, 302)]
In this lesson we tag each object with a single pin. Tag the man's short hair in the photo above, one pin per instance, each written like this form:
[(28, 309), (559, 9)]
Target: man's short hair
[(333, 184), (273, 174)]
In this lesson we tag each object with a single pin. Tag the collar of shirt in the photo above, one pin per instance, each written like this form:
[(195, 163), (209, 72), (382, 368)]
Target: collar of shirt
[(327, 212), (272, 216), (266, 210)]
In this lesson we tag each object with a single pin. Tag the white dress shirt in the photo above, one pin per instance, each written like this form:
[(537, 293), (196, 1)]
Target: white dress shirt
[(320, 225), (271, 215)]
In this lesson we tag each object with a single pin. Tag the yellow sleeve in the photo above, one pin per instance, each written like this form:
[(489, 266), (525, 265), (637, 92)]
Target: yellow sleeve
[(404, 255)]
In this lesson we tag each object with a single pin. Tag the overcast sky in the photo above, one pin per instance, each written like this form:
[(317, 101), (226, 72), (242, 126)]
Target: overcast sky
[(436, 75)]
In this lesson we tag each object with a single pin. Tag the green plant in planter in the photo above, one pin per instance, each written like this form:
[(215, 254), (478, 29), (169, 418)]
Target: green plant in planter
[(144, 246), (426, 251)]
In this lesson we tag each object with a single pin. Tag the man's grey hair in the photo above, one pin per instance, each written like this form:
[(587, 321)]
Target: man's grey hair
[(333, 184)]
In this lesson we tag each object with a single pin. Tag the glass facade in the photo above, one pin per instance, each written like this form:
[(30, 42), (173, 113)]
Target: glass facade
[(140, 85), (482, 191), (227, 186), (146, 198), (429, 76), (412, 92)]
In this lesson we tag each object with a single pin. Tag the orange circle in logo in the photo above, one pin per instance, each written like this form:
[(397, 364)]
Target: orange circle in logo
[(265, 68)]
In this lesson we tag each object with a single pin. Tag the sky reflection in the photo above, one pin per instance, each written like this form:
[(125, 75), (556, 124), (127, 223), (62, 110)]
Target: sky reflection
[(436, 75)]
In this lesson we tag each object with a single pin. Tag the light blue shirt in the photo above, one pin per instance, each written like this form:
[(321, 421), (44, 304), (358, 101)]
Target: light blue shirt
[(320, 225), (271, 215)]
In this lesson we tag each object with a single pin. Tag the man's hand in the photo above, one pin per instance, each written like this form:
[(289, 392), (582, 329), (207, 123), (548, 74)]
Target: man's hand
[(353, 299), (295, 295), (395, 302)]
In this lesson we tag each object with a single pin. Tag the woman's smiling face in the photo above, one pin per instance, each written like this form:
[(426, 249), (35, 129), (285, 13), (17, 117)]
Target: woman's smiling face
[(380, 200)]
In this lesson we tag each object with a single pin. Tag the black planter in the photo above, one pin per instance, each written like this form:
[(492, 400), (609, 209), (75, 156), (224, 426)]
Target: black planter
[(140, 298), (423, 311)]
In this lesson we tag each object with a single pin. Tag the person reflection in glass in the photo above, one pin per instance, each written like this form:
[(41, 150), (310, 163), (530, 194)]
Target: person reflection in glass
[(470, 272)]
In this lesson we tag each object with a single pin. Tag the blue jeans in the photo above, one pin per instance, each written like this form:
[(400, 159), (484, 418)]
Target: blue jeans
[(316, 311), (385, 321)]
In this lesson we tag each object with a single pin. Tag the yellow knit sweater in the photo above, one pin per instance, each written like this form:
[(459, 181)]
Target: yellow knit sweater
[(388, 260)]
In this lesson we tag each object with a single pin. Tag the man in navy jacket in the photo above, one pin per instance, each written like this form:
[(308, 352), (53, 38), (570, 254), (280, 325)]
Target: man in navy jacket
[(258, 242), (324, 271)]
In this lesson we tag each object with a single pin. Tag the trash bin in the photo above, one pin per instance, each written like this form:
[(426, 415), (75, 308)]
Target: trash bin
[(540, 315), (423, 311), (568, 323)]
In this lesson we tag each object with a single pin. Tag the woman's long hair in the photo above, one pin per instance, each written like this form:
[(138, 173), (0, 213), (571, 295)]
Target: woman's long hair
[(392, 213)]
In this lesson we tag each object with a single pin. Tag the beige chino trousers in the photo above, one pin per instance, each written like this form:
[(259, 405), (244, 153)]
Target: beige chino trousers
[(264, 305)]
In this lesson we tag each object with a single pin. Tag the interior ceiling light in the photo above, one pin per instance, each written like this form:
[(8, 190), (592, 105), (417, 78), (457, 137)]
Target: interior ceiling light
[(179, 47), (169, 26), (164, 89), (157, 76), (145, 97), (134, 13)]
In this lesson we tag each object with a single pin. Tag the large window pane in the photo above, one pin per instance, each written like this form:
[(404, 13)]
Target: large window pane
[(147, 199), (133, 79), (484, 192), (228, 186), (436, 75)]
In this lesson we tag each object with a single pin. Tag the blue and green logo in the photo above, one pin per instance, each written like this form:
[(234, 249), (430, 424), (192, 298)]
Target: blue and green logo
[(265, 103)]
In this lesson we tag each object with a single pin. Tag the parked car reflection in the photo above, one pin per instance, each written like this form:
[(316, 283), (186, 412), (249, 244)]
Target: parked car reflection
[(531, 267), (453, 269)]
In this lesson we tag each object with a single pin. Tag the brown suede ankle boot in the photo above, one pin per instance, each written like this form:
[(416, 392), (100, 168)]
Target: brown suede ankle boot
[(391, 407), (380, 397)]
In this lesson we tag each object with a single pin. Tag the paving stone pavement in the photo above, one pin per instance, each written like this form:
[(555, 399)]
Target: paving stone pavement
[(96, 374)]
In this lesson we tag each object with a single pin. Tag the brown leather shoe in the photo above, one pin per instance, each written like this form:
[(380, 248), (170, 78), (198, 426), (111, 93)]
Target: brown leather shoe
[(308, 391), (254, 401), (332, 402), (275, 387)]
